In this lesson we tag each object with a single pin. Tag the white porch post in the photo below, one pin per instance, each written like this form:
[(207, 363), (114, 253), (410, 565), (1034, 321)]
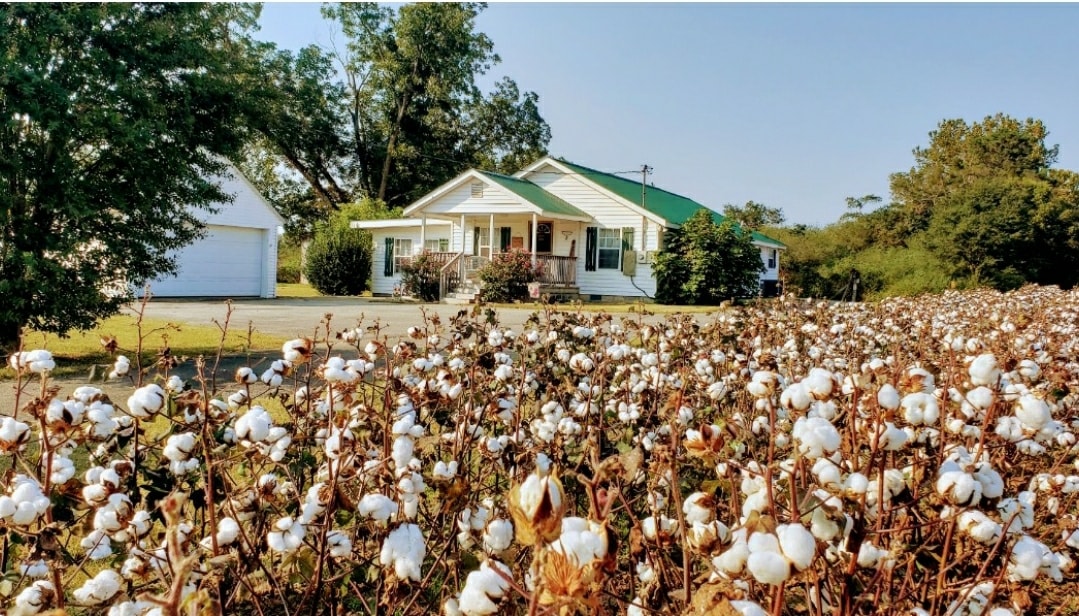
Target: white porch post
[(423, 232), (491, 237), (462, 233), (534, 223)]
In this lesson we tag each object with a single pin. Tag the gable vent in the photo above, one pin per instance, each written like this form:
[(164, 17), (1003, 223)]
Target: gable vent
[(477, 189)]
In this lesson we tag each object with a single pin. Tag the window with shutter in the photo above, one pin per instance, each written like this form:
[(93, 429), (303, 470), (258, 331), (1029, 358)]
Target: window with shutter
[(590, 242), (387, 265)]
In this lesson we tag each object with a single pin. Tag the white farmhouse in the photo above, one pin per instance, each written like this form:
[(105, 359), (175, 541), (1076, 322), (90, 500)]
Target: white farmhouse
[(238, 255), (592, 233)]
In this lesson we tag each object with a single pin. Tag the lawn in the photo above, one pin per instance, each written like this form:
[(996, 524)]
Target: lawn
[(290, 289), (77, 351)]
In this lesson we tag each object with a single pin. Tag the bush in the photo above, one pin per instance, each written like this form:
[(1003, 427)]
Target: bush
[(705, 262), (506, 276), (289, 263), (420, 277), (339, 260)]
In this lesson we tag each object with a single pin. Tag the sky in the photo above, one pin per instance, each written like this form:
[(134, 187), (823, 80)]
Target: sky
[(797, 106)]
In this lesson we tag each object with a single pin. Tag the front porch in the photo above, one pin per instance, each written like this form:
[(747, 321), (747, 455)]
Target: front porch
[(549, 241)]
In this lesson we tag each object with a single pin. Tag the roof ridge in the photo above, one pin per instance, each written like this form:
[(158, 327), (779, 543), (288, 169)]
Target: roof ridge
[(618, 177)]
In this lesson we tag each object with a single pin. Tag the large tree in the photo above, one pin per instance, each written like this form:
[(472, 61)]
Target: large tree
[(394, 109), (754, 215), (114, 118), (705, 262)]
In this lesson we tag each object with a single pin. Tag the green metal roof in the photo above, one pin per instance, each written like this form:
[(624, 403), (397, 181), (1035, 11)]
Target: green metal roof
[(535, 195), (665, 204)]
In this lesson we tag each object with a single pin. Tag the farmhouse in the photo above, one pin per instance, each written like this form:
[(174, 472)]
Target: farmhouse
[(238, 255), (592, 233)]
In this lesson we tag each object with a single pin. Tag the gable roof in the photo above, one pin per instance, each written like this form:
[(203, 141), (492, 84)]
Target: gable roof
[(670, 206), (535, 195)]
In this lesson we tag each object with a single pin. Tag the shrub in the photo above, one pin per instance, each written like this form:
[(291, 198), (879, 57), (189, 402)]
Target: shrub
[(506, 276), (289, 263), (705, 262), (420, 277), (339, 260)]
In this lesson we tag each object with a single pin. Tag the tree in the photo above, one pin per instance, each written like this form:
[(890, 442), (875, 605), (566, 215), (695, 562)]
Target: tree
[(706, 263), (408, 116), (115, 117), (754, 215)]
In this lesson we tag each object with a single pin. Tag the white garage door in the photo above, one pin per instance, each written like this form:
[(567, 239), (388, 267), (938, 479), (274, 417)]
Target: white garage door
[(226, 263)]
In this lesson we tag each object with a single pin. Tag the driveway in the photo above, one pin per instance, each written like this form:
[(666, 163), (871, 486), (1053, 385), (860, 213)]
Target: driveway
[(298, 317)]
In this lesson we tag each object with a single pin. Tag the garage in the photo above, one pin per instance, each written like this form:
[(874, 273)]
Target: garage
[(238, 255), (227, 262)]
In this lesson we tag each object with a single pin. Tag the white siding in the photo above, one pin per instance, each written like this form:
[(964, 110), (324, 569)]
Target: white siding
[(382, 284), (771, 273), (228, 262), (609, 214), (460, 201), (248, 208)]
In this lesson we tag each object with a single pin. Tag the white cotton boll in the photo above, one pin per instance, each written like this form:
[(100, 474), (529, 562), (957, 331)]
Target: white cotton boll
[(892, 438), (748, 608), (920, 409), (503, 373), (984, 371), (827, 473), (1033, 412), (581, 363), (698, 508), (254, 425), (445, 470), (36, 569), (146, 401), (174, 384), (733, 560), (63, 469), (498, 536), (99, 588), (768, 567), (227, 531), (797, 544), (1010, 428), (979, 526), (339, 543), (179, 447), (992, 482), (796, 397), (888, 397), (1026, 559), (856, 483), (482, 588), (33, 599), (819, 382), (377, 507), (815, 436), (959, 487), (404, 549), (870, 556)]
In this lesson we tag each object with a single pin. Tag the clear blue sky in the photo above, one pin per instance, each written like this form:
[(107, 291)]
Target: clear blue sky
[(796, 106)]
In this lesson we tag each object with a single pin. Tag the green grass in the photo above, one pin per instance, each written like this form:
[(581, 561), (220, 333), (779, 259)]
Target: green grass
[(75, 352)]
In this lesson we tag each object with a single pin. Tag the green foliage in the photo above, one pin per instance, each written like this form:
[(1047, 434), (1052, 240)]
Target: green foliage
[(753, 215), (981, 206), (707, 263), (506, 276), (115, 119), (420, 277), (339, 259), (288, 261), (408, 116)]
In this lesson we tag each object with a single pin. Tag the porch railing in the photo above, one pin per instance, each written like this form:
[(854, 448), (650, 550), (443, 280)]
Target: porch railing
[(450, 274), (557, 271)]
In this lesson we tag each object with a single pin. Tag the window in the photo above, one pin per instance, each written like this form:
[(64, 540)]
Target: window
[(772, 258), (610, 248), (402, 253), (442, 245)]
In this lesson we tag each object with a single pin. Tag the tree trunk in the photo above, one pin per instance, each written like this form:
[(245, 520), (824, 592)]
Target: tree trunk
[(304, 246), (9, 336)]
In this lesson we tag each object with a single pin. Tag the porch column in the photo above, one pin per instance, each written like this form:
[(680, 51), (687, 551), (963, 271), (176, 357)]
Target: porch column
[(462, 233), (423, 232), (534, 223), (491, 236)]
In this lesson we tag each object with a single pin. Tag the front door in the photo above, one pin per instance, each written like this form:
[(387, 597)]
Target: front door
[(544, 233)]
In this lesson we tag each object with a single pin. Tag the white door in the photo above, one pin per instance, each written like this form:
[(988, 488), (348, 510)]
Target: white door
[(228, 262)]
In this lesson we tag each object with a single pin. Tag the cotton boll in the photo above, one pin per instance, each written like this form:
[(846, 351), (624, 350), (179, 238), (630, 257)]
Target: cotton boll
[(482, 588), (888, 397), (768, 567), (984, 371), (404, 549), (796, 397), (870, 556), (498, 536), (827, 473), (748, 608), (146, 401), (797, 545), (699, 508), (815, 436), (1025, 560), (339, 543), (891, 438), (33, 599), (99, 589), (1032, 412)]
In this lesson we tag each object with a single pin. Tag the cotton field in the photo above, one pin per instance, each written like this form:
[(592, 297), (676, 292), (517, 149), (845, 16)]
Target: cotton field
[(916, 456)]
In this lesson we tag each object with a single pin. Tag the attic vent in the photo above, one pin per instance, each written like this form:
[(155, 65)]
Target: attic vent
[(477, 189)]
